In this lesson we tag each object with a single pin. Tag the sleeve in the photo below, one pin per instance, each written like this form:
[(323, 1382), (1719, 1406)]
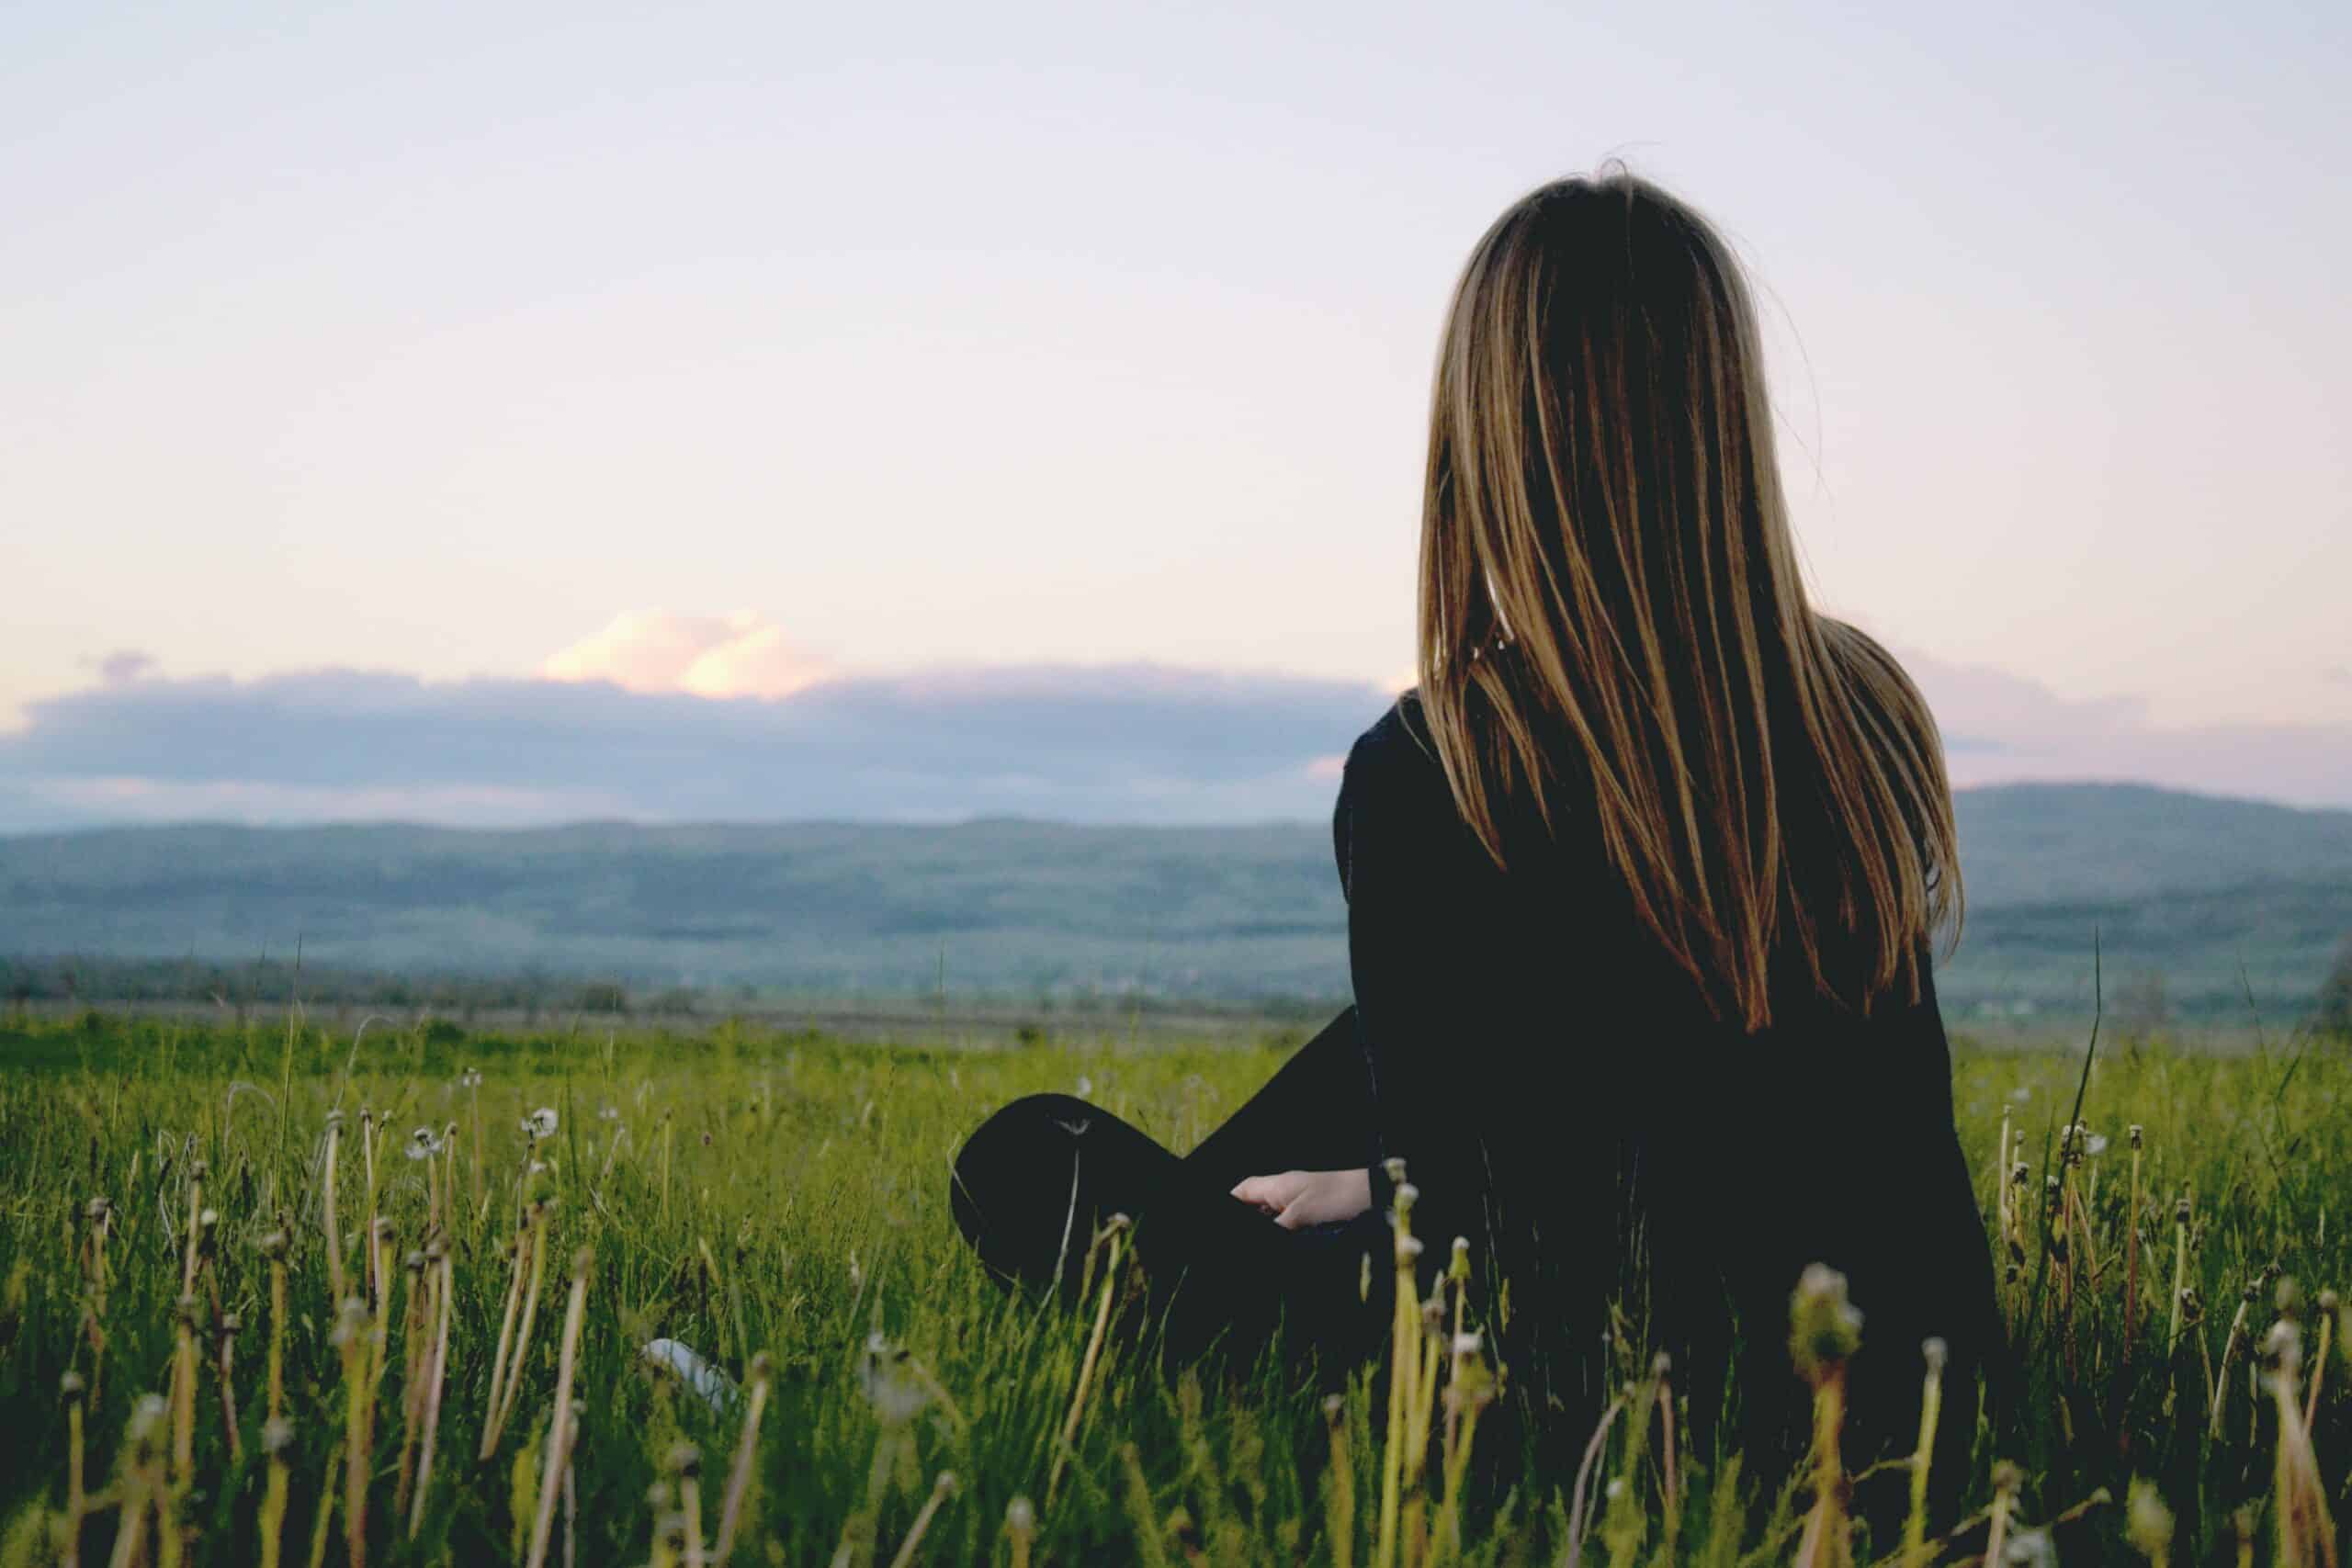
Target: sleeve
[(1424, 953)]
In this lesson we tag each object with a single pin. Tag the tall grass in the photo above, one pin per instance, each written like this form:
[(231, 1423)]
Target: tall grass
[(454, 1254)]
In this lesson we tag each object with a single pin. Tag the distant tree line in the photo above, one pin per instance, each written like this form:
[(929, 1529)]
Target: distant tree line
[(271, 982)]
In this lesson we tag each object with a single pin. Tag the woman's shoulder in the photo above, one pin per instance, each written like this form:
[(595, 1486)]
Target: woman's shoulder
[(1395, 753)]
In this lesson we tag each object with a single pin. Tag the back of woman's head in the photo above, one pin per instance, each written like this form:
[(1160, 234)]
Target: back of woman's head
[(1610, 592)]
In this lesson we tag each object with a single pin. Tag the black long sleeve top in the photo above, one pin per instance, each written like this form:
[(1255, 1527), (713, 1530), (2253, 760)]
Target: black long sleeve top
[(1562, 1098)]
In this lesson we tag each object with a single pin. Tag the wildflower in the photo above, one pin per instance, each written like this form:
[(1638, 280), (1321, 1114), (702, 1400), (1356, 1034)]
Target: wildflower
[(2147, 1522), (540, 1123), (2021, 1094), (1085, 1085), (423, 1145), (898, 1395), (1824, 1327), (609, 1113), (2031, 1548), (1469, 1342), (470, 1078)]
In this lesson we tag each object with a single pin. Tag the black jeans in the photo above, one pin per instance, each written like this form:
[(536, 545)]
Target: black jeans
[(1031, 1185)]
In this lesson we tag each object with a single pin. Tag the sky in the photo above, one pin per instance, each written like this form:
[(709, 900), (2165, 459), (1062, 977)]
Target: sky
[(517, 412)]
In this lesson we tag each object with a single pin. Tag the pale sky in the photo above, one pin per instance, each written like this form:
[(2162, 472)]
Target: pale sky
[(430, 339)]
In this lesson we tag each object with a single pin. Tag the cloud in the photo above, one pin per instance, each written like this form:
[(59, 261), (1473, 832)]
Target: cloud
[(1126, 743), (1136, 743), (123, 664), (2004, 729), (742, 655)]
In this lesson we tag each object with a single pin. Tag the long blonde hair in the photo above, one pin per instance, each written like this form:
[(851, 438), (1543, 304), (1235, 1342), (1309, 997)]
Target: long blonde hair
[(1608, 588)]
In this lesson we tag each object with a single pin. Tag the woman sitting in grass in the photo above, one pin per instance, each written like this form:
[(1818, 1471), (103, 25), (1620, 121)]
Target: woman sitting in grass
[(1641, 883)]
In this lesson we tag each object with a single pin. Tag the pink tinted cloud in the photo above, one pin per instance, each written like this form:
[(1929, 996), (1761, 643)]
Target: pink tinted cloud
[(742, 655)]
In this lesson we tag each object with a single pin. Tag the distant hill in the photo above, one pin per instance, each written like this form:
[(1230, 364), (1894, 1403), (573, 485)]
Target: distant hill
[(2187, 891)]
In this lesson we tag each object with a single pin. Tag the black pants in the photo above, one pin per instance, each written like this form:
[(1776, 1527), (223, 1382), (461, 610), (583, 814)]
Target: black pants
[(1031, 1185)]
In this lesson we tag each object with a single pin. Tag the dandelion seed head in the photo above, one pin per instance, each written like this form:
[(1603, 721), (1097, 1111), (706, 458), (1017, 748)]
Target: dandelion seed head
[(1020, 1515), (1469, 1342), (146, 1415), (2029, 1549), (540, 1123), (2147, 1522), (1824, 1327)]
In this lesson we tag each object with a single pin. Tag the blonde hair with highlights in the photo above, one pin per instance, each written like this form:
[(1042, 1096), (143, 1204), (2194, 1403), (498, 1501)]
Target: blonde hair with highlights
[(1609, 590)]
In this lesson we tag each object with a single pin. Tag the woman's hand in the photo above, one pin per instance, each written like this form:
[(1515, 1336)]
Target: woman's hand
[(1300, 1198)]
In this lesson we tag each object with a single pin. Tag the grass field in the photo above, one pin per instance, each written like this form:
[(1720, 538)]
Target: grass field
[(780, 1203)]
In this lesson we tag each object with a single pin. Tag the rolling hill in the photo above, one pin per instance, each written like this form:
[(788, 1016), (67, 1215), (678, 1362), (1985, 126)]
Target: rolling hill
[(2196, 901)]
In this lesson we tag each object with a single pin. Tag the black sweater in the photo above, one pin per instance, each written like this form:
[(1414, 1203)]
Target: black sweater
[(1562, 1097)]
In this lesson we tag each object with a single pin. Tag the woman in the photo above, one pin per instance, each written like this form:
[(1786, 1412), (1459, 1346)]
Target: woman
[(1641, 882)]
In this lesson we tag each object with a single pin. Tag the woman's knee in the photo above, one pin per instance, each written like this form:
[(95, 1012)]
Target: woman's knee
[(1016, 1177)]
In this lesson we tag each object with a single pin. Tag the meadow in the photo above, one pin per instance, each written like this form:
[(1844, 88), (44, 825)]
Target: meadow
[(286, 1293)]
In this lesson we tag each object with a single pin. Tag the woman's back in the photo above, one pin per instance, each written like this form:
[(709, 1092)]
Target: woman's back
[(1567, 1097)]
